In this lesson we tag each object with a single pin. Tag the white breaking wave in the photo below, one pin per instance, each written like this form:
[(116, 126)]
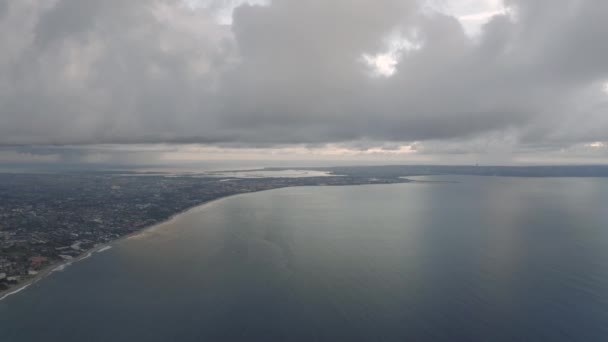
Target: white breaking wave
[(104, 249), (61, 267), (16, 291), (86, 256)]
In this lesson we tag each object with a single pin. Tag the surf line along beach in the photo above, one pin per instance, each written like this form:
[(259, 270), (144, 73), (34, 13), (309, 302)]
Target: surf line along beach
[(50, 269)]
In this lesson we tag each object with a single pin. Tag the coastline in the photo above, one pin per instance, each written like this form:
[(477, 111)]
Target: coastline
[(61, 265), (51, 268)]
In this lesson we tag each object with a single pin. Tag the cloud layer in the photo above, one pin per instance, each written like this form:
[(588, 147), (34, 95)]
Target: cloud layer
[(370, 72)]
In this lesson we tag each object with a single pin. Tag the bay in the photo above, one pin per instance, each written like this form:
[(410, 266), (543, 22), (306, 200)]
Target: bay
[(480, 258)]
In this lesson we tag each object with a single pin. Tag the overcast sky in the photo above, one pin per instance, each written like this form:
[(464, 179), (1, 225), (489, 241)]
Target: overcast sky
[(408, 81)]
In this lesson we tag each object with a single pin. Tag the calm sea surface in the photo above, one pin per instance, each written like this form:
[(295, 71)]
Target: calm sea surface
[(484, 259)]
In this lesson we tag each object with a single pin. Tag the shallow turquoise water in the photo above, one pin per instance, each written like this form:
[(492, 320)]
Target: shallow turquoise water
[(482, 259)]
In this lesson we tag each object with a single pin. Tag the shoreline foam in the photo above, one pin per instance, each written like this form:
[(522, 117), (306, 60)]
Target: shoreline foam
[(14, 292), (50, 269)]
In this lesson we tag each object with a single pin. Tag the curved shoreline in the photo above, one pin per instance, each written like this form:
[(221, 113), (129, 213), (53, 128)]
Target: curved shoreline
[(60, 266)]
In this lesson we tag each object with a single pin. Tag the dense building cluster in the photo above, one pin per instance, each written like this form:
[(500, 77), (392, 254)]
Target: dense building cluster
[(48, 218)]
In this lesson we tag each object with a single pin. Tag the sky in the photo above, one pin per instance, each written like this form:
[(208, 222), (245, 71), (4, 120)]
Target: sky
[(499, 82)]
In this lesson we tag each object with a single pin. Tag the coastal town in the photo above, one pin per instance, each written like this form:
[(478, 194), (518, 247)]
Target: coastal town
[(47, 219)]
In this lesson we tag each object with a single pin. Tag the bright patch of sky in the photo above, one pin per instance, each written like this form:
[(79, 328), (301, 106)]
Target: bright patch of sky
[(472, 14), (223, 8), (596, 144), (381, 64), (385, 63)]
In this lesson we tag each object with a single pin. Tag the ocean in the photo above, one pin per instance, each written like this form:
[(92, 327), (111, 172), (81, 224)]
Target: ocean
[(472, 259)]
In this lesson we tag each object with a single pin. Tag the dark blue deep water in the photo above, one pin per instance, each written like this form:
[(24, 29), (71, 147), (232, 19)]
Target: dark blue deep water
[(484, 259)]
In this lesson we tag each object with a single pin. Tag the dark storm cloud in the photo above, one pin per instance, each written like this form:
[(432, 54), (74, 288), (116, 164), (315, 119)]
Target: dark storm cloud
[(87, 71)]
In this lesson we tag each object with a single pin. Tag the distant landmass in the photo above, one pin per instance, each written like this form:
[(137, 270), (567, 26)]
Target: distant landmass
[(472, 170)]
